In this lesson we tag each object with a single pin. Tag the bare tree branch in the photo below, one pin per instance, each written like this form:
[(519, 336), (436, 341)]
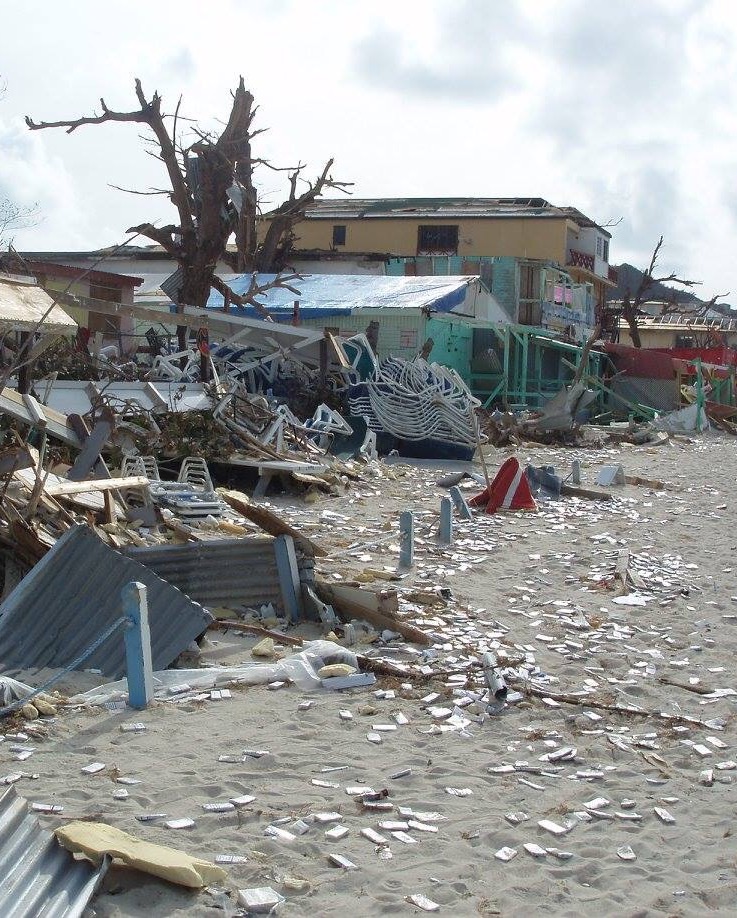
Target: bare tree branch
[(631, 305), (163, 235), (215, 197), (151, 191), (279, 236)]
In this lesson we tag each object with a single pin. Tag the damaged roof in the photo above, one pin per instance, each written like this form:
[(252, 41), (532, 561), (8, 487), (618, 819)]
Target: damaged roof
[(24, 306), (338, 294), (435, 208)]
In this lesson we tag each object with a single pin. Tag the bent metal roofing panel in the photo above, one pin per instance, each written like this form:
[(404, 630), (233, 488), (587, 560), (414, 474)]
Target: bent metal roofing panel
[(73, 595)]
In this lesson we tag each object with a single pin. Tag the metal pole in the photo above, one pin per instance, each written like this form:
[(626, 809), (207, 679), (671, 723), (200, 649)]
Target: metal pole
[(446, 521), (138, 646), (459, 501), (406, 538)]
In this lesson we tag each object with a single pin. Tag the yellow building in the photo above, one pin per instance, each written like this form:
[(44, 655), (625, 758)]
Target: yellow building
[(529, 230)]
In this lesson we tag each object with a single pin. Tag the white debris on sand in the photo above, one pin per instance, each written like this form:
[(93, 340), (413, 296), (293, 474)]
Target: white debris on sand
[(617, 732)]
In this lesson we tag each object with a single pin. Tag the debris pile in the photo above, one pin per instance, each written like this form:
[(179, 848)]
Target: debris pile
[(425, 409)]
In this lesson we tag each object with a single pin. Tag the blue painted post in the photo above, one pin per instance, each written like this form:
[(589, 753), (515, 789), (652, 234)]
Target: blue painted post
[(446, 521), (406, 538), (464, 511), (138, 646)]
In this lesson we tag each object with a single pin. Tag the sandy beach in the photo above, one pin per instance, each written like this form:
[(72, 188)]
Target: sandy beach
[(644, 803)]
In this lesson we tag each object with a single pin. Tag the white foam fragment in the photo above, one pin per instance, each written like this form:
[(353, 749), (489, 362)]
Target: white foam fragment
[(505, 854)]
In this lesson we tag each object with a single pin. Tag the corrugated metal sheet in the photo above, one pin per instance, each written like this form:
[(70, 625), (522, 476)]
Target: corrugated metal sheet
[(218, 573), (73, 594), (39, 878), (341, 294), (26, 306)]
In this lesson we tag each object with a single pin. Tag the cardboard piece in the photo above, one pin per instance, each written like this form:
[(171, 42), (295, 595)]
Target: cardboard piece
[(96, 839)]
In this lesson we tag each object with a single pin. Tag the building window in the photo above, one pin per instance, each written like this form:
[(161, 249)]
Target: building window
[(109, 294), (605, 250), (408, 337), (685, 341), (338, 235), (599, 241), (437, 240)]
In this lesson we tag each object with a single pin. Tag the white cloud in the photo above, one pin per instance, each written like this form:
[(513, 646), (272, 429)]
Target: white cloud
[(30, 178), (623, 110)]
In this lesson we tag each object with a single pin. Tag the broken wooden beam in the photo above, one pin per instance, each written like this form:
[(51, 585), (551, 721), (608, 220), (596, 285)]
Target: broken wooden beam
[(269, 521), (573, 491), (243, 627), (348, 609)]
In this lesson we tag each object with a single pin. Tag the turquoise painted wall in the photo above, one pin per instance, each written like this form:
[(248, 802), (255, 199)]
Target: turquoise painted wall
[(505, 284), (453, 343)]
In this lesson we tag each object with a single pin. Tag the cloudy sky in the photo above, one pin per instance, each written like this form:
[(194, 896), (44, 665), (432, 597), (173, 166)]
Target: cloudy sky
[(626, 110)]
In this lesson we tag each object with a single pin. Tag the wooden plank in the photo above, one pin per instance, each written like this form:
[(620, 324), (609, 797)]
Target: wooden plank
[(348, 609), (57, 425), (64, 488), (647, 483), (34, 410), (589, 494), (79, 426), (340, 355), (278, 636), (384, 601), (89, 457)]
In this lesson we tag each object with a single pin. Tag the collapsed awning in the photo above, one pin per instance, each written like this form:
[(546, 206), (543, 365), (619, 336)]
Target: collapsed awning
[(24, 306)]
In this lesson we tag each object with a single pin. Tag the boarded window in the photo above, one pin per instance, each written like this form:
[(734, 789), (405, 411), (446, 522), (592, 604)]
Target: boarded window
[(109, 294), (408, 337), (529, 282), (99, 322), (437, 240), (338, 235), (530, 313)]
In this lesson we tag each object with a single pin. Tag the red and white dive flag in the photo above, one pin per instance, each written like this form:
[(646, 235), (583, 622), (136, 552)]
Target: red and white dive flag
[(509, 490)]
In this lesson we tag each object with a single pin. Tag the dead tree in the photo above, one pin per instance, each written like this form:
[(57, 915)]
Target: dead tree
[(631, 303), (14, 217), (213, 191)]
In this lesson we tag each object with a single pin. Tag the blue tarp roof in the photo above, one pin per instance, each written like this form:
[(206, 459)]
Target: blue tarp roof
[(342, 294)]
